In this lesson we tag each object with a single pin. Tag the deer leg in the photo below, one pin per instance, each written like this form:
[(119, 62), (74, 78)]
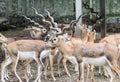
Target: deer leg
[(87, 72), (38, 78), (6, 74), (15, 62), (73, 60), (27, 68), (92, 71), (45, 69), (65, 67), (82, 71), (105, 72), (4, 64), (58, 63), (111, 73), (100, 71), (115, 67), (51, 67)]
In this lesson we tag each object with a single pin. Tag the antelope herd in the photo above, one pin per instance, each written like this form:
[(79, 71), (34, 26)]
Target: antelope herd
[(49, 39)]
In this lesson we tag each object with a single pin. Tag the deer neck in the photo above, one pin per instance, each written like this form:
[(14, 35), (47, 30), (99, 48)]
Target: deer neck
[(91, 40), (84, 38)]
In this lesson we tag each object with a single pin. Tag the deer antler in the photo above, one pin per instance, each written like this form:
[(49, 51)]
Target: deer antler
[(43, 18), (32, 21), (51, 19), (36, 12)]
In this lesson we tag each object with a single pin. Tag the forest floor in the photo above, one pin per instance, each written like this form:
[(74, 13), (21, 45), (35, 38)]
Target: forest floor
[(62, 78)]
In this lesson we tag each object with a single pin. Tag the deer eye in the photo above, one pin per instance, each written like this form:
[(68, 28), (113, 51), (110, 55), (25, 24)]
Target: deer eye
[(54, 39)]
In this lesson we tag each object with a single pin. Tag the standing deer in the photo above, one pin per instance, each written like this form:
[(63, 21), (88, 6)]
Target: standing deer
[(113, 39), (22, 50)]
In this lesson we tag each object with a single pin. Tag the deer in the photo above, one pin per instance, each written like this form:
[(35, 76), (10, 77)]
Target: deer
[(113, 39), (103, 54), (86, 54), (94, 15), (37, 33), (5, 41), (22, 50)]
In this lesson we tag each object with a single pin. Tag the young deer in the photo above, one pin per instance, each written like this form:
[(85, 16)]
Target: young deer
[(22, 50)]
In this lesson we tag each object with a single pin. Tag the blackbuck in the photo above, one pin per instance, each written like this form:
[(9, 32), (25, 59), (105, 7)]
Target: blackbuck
[(94, 16), (98, 54), (5, 41), (37, 33), (23, 50), (113, 39), (88, 37)]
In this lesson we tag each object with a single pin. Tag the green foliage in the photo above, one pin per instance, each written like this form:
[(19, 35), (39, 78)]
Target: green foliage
[(113, 16)]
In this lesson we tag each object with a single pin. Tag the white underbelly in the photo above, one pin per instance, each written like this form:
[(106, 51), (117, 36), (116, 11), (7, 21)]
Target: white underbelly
[(95, 61), (72, 59), (26, 55), (45, 53)]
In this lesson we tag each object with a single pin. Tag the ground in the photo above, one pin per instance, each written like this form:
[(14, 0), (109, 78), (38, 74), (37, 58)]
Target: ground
[(62, 78)]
